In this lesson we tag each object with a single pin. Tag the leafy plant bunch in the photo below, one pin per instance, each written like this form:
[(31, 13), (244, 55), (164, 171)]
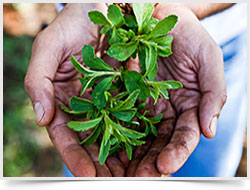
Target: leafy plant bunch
[(114, 121)]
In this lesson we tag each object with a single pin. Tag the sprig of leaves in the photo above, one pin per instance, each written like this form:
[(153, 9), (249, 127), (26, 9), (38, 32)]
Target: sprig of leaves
[(110, 118)]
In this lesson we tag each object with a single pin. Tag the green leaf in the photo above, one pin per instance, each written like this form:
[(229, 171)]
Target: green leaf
[(136, 142), (166, 84), (120, 96), (157, 93), (130, 21), (151, 63), (105, 29), (104, 151), (129, 151), (141, 106), (133, 81), (122, 51), (151, 24), (92, 137), (80, 104), (153, 130), (79, 67), (98, 18), (163, 26), (124, 115), (98, 96), (84, 125), (115, 15), (143, 12), (93, 62), (156, 119), (164, 92), (164, 45), (142, 57), (67, 110), (115, 37), (129, 102)]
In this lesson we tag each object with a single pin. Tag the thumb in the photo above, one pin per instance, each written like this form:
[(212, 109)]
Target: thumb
[(39, 77)]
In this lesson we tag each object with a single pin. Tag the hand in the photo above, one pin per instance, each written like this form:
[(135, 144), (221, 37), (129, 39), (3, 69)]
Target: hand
[(197, 63), (51, 80)]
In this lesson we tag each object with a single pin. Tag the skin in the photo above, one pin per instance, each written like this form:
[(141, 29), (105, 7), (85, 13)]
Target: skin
[(196, 62), (51, 80)]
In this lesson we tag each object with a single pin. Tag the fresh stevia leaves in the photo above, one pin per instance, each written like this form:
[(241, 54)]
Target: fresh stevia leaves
[(156, 119), (84, 125), (153, 130), (124, 115), (67, 110), (119, 96), (92, 137), (151, 62), (163, 45), (93, 62), (115, 15), (131, 34), (98, 18), (143, 12), (151, 24), (98, 96), (135, 142), (130, 21), (79, 67), (142, 57), (80, 104), (164, 92), (115, 37), (129, 102), (129, 151), (104, 151), (105, 29), (134, 81), (108, 130), (122, 51), (163, 26), (166, 84)]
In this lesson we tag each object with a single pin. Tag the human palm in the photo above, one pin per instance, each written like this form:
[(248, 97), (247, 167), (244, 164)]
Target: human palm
[(197, 63)]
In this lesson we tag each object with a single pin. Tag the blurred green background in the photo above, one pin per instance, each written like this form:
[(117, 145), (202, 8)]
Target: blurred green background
[(27, 148)]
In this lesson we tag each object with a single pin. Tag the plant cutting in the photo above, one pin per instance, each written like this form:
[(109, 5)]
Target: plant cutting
[(115, 120)]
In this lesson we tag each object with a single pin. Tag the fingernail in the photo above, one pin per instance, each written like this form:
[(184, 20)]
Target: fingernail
[(39, 111), (213, 125)]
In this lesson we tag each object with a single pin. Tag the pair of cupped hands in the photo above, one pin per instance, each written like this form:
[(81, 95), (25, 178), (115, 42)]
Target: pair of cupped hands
[(196, 62)]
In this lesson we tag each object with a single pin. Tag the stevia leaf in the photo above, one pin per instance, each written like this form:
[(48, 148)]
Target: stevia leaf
[(156, 119), (79, 67), (98, 18), (122, 51), (115, 148), (143, 12), (86, 83), (84, 125), (113, 140), (129, 151), (166, 84), (98, 96), (124, 115), (131, 34), (157, 93), (108, 131), (130, 21), (153, 130), (141, 106), (122, 32), (120, 96), (163, 26), (136, 142), (163, 45), (142, 51), (151, 63), (129, 102), (67, 110), (115, 37), (93, 62), (105, 29), (133, 81), (80, 104), (151, 24), (104, 151), (92, 137), (115, 15), (164, 92)]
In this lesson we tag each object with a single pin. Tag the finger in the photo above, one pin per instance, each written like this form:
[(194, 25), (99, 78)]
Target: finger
[(137, 156), (133, 64), (147, 166), (184, 140), (67, 143), (38, 81), (213, 88), (115, 167), (101, 170)]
